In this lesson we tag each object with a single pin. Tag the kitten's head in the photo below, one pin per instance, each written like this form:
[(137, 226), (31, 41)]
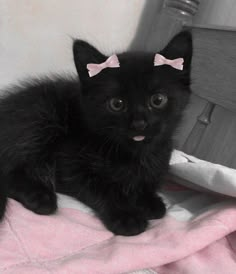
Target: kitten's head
[(137, 102)]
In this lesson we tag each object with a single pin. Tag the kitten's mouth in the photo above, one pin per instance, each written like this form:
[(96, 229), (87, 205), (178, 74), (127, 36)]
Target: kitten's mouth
[(139, 138), (142, 139)]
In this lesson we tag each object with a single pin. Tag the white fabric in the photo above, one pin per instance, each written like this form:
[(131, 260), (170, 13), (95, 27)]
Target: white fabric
[(203, 174)]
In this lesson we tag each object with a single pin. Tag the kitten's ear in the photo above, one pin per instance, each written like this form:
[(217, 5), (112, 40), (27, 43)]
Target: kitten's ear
[(84, 54), (180, 47)]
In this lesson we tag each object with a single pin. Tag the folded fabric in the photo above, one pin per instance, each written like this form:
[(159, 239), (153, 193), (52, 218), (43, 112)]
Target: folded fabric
[(202, 174), (75, 242)]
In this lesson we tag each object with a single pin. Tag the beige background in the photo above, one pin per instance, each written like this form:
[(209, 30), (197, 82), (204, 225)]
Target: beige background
[(35, 35)]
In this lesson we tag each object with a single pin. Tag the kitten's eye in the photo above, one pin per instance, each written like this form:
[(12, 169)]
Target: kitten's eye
[(158, 101), (116, 105)]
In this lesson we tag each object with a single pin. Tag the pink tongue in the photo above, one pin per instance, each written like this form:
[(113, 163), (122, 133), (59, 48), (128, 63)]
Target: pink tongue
[(138, 138)]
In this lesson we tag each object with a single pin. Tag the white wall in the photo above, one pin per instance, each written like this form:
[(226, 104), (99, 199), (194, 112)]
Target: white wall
[(35, 35)]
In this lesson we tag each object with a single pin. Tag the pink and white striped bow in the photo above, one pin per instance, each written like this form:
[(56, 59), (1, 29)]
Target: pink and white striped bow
[(160, 60), (111, 62)]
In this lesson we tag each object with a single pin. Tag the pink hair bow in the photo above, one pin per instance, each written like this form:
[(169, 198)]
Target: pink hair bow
[(111, 62), (160, 60)]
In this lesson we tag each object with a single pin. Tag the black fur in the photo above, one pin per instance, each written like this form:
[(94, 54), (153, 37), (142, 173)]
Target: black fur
[(59, 135)]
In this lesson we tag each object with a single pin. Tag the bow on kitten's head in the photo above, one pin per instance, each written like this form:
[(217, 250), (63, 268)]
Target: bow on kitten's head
[(137, 102)]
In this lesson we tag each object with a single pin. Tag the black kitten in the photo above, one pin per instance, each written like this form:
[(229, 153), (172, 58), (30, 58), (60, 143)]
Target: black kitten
[(105, 141)]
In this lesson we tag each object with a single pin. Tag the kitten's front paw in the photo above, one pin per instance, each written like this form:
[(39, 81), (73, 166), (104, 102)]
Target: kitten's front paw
[(41, 201), (126, 224), (155, 208)]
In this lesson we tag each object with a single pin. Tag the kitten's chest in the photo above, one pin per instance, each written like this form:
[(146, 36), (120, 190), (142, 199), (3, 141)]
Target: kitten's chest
[(119, 168), (145, 169)]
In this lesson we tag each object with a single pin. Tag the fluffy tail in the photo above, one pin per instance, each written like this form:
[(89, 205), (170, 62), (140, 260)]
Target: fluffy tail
[(3, 199)]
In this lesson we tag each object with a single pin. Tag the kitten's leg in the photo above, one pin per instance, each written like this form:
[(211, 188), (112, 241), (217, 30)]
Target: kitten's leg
[(35, 192), (117, 212)]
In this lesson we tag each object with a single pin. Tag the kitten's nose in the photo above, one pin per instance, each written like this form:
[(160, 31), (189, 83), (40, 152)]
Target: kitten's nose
[(139, 124)]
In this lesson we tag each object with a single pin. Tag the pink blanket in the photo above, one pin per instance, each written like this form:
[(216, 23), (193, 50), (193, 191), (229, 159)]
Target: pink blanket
[(75, 242)]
